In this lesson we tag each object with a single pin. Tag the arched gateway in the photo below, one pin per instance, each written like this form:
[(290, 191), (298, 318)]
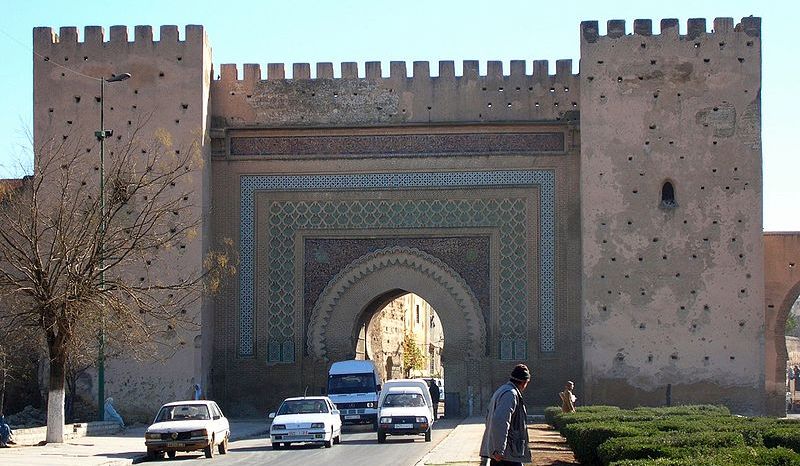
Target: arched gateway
[(541, 191), (355, 294)]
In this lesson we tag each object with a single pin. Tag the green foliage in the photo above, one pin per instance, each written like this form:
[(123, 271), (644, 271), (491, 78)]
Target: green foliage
[(586, 437), (666, 445), (791, 324), (743, 456), (676, 436), (413, 357), (783, 437)]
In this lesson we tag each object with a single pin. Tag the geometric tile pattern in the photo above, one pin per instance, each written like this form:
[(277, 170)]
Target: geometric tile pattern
[(482, 143), (285, 217)]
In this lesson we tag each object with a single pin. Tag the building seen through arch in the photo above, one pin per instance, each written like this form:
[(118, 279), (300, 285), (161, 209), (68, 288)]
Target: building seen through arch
[(382, 338)]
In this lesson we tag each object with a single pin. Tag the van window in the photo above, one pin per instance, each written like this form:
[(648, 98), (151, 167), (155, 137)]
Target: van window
[(404, 400), (351, 383)]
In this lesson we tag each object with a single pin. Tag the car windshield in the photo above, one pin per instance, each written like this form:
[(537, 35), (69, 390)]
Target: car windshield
[(403, 400), (303, 407), (351, 383), (183, 413)]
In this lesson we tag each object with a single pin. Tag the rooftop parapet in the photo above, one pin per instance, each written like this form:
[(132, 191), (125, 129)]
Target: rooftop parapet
[(398, 70), (46, 37), (695, 27)]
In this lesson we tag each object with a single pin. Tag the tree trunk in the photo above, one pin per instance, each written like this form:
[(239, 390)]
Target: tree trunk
[(3, 387), (55, 399)]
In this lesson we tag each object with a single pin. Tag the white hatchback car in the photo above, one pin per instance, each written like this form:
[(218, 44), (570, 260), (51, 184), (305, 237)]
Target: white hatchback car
[(311, 419), (187, 426)]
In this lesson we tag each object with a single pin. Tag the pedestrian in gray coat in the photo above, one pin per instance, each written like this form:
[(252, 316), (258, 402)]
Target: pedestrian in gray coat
[(505, 438)]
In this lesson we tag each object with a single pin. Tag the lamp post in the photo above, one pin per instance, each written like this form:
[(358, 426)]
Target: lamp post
[(101, 137)]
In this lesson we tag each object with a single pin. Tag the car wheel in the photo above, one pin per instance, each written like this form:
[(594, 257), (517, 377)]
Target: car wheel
[(428, 435), (381, 437), (329, 443), (338, 438), (209, 450), (277, 446), (223, 446), (171, 454), (154, 455)]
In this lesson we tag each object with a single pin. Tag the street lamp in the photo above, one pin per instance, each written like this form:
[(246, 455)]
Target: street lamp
[(101, 137)]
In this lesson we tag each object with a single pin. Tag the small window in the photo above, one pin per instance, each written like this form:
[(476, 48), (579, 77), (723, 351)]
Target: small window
[(668, 196), (417, 313)]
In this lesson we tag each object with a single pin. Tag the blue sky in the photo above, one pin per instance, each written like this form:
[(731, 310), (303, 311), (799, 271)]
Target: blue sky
[(350, 30)]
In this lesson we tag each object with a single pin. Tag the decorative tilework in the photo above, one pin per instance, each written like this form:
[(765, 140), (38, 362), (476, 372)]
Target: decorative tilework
[(400, 144), (286, 216)]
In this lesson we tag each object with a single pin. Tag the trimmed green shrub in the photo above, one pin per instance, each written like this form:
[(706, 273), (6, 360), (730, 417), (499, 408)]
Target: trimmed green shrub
[(550, 414), (783, 437), (674, 445), (726, 457), (584, 438)]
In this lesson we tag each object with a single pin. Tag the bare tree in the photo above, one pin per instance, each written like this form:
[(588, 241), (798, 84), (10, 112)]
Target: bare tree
[(74, 264)]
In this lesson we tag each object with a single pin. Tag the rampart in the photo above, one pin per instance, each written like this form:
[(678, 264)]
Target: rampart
[(398, 98), (672, 292), (673, 283)]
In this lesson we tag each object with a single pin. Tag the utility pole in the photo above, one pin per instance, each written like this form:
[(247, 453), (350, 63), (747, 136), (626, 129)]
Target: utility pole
[(101, 338)]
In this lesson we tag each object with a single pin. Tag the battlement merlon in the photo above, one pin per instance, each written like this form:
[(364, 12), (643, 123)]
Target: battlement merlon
[(695, 27), (229, 72), (45, 38)]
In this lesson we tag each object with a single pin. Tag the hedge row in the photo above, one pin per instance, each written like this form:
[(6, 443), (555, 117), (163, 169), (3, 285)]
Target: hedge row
[(605, 435), (727, 457)]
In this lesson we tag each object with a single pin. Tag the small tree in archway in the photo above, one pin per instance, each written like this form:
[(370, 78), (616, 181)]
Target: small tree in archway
[(413, 357)]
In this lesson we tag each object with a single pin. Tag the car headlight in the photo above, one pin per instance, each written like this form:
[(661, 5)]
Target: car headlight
[(318, 425), (370, 405), (422, 419), (386, 420), (152, 436), (278, 427), (198, 433)]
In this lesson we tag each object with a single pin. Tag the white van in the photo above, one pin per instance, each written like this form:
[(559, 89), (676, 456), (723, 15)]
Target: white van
[(419, 383), (405, 410), (353, 386)]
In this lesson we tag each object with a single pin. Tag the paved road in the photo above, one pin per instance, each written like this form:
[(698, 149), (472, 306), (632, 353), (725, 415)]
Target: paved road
[(359, 447)]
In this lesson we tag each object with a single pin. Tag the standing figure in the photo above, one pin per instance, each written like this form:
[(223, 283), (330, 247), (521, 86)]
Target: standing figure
[(198, 393), (568, 398), (435, 397), (5, 432), (796, 377), (505, 438), (111, 414)]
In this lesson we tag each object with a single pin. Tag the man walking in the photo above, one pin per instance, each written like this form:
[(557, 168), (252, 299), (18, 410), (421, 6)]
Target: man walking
[(433, 388), (505, 438)]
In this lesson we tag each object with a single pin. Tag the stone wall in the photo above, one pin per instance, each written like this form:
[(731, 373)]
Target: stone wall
[(167, 93), (672, 282)]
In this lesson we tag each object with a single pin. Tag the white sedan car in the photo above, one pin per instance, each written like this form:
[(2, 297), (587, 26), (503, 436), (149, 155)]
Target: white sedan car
[(311, 419), (187, 426)]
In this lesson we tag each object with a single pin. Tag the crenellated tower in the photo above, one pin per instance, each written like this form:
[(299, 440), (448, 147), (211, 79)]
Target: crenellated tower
[(167, 94), (671, 206)]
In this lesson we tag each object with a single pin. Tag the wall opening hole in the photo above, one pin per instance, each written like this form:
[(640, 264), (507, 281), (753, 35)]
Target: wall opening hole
[(668, 196)]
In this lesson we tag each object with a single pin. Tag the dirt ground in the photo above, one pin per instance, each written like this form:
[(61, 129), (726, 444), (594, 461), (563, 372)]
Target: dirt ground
[(548, 447)]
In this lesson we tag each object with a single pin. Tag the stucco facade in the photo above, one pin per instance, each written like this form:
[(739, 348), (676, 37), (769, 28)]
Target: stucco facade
[(527, 208)]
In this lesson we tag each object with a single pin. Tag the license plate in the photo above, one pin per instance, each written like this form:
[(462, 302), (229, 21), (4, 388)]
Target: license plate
[(352, 416), (403, 426), (175, 444)]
